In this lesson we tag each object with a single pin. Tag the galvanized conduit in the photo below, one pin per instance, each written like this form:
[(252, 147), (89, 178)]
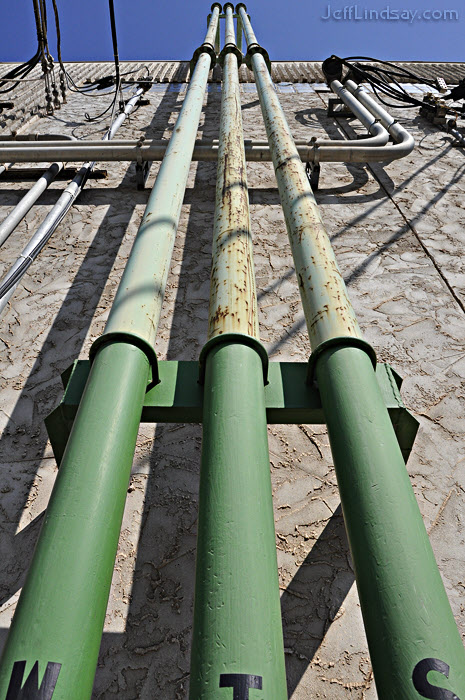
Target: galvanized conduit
[(17, 214), (396, 130), (408, 620), (56, 215), (354, 152), (237, 616), (20, 210), (379, 137), (60, 613)]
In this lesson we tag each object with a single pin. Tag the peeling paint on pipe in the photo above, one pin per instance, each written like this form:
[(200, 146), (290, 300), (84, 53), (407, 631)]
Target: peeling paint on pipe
[(236, 637), (61, 611), (233, 301)]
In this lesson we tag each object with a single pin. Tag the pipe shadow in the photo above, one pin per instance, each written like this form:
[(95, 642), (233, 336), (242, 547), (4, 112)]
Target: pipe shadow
[(314, 597), (158, 627), (25, 432)]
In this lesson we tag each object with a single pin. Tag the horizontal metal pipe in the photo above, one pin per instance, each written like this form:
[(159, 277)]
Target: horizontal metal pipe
[(353, 152), (8, 138)]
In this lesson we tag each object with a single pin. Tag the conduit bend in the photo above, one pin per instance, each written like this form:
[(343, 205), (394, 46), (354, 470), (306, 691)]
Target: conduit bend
[(379, 135), (404, 141)]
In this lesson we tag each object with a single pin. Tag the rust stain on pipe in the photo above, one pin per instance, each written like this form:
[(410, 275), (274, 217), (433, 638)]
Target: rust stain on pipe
[(233, 301)]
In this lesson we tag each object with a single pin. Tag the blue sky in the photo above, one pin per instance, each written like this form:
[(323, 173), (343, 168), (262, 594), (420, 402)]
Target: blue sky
[(290, 29)]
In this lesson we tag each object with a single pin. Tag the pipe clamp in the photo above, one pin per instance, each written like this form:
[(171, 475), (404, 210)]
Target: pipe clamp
[(229, 339), (253, 49), (341, 341), (231, 48), (204, 48), (129, 339)]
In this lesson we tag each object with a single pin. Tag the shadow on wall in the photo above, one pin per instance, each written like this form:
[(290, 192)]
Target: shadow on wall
[(25, 432)]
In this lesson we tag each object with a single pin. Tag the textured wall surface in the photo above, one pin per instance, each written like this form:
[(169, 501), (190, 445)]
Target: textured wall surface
[(399, 236)]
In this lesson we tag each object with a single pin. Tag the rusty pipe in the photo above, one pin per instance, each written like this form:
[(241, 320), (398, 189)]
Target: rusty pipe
[(237, 640), (408, 620), (328, 311)]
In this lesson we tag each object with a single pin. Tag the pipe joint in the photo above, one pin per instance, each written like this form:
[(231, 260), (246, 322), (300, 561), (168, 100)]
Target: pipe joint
[(343, 341), (228, 4), (128, 339), (251, 51), (238, 7), (215, 4), (204, 48), (229, 339), (231, 48)]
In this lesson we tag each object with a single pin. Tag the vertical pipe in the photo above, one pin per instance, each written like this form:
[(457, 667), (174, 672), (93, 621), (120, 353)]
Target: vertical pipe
[(58, 622), (237, 636), (415, 647)]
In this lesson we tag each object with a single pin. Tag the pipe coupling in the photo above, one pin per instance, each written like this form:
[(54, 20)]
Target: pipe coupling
[(347, 341), (231, 48), (231, 338), (204, 48), (253, 49), (130, 339)]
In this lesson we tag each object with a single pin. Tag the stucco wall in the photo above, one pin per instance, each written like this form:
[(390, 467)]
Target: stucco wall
[(399, 238)]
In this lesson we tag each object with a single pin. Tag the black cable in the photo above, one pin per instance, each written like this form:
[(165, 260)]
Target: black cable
[(384, 79), (395, 68), (25, 68), (114, 39), (118, 89)]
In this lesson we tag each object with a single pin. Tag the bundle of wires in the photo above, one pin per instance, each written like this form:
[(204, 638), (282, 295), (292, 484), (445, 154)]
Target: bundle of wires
[(385, 79), (20, 72), (102, 83)]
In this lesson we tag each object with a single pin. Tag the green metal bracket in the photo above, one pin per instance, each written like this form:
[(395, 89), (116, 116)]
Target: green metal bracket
[(178, 398)]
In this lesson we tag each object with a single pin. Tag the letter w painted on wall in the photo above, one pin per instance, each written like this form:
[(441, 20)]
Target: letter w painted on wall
[(31, 690)]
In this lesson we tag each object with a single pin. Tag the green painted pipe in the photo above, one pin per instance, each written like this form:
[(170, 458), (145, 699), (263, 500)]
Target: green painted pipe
[(53, 644), (60, 614), (415, 647), (405, 609), (237, 638)]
